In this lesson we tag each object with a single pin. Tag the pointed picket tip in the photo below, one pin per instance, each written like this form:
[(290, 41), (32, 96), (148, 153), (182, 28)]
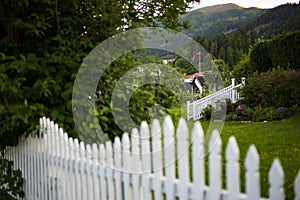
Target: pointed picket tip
[(297, 186), (95, 151), (215, 142), (108, 146), (117, 144), (168, 126), (252, 157), (155, 130), (276, 174), (134, 137), (144, 130), (232, 150), (182, 130), (125, 141), (134, 132), (102, 153), (89, 151), (197, 130), (109, 153), (82, 149)]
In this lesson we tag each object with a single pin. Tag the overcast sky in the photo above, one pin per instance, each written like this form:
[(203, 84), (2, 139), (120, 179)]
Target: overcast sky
[(244, 3)]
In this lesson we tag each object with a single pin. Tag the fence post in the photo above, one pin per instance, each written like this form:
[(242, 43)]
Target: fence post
[(233, 90), (243, 81)]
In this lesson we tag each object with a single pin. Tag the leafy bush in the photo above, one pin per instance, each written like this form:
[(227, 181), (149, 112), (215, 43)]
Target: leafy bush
[(263, 114), (207, 112), (11, 181), (231, 117), (277, 88), (282, 113)]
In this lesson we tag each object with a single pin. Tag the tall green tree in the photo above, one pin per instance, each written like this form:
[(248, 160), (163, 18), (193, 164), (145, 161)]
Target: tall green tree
[(43, 43)]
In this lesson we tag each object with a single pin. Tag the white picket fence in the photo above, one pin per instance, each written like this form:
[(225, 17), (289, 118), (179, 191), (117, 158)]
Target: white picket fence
[(195, 108), (149, 163)]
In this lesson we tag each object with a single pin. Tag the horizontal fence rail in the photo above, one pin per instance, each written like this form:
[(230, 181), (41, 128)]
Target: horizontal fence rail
[(157, 163), (195, 108)]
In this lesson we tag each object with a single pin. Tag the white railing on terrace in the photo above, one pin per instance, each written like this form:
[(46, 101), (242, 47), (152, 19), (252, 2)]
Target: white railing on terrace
[(139, 166), (195, 108)]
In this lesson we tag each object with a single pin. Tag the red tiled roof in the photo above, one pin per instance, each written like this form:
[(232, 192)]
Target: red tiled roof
[(196, 74)]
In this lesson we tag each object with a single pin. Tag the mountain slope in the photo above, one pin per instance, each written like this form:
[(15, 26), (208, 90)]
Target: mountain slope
[(212, 20), (277, 20)]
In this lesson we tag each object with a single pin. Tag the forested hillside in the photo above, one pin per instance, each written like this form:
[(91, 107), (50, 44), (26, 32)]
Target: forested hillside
[(228, 31), (212, 20)]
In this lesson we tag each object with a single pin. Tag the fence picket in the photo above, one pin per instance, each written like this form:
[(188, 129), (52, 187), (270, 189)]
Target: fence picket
[(297, 186), (50, 158), (109, 166), (82, 170), (232, 169), (67, 166), (146, 160), (157, 159), (183, 160), (72, 161), (215, 179), (138, 167), (198, 161), (118, 168), (89, 174), (252, 174), (135, 148), (169, 157), (76, 169), (126, 166), (95, 179), (276, 177), (102, 172)]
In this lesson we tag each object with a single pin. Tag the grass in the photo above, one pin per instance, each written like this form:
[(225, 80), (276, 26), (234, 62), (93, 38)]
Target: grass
[(275, 139)]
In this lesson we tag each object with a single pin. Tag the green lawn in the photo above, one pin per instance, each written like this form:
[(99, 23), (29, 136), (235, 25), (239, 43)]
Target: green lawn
[(275, 139)]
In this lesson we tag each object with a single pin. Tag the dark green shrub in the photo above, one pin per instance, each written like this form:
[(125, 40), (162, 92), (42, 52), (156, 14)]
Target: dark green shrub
[(282, 113), (277, 88), (207, 112), (281, 51), (11, 181)]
